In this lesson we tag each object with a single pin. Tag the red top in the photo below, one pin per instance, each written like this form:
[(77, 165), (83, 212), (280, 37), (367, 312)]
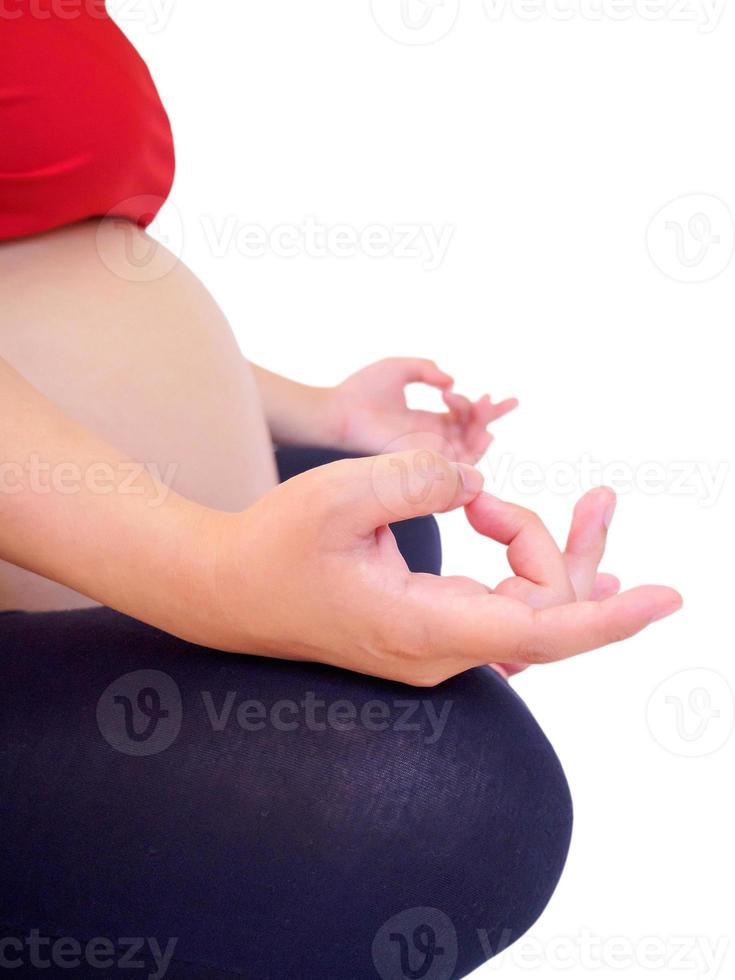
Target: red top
[(82, 129)]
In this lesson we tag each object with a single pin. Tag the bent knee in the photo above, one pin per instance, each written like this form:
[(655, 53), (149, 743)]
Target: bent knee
[(451, 823), (475, 823)]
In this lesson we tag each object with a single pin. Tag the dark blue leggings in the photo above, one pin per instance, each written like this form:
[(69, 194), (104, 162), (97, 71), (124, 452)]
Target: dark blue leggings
[(207, 815)]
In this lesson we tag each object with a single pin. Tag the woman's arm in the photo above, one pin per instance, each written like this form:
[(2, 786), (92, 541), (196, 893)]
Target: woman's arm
[(368, 412), (311, 570), (75, 510), (297, 414)]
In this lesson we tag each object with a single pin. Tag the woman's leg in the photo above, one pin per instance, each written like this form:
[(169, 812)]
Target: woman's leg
[(259, 818), (269, 819)]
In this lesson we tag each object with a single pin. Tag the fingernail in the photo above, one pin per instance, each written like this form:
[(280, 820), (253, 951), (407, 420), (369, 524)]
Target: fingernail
[(609, 511), (664, 613), (472, 479)]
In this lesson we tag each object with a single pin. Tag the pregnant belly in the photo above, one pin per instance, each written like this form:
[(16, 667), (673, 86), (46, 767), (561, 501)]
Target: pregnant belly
[(152, 366)]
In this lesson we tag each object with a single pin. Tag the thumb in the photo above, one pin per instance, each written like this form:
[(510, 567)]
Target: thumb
[(419, 369), (379, 490)]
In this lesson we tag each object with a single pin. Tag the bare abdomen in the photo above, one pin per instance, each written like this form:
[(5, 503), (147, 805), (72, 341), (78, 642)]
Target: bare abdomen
[(126, 340)]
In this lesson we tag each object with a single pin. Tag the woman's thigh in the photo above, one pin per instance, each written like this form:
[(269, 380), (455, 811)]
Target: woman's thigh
[(262, 818), (105, 322)]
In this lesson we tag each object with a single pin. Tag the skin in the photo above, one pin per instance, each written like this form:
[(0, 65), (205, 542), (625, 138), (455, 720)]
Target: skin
[(375, 616), (127, 342), (368, 412), (105, 364)]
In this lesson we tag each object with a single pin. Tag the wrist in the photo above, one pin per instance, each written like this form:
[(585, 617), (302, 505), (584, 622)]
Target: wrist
[(299, 414), (171, 583), (317, 419), (327, 418), (224, 602)]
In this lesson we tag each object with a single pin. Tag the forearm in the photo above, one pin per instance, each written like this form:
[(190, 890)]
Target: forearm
[(297, 414), (75, 510)]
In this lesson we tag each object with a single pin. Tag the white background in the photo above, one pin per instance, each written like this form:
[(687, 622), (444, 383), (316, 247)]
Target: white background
[(548, 146)]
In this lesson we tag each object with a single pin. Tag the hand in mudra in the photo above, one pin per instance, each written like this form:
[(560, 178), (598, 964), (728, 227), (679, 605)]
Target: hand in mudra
[(369, 413), (312, 571)]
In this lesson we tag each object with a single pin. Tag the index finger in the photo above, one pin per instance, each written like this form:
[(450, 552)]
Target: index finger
[(532, 552), (424, 370)]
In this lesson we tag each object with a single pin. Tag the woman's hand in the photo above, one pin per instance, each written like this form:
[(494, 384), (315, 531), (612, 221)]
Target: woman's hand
[(584, 550), (368, 412), (312, 572)]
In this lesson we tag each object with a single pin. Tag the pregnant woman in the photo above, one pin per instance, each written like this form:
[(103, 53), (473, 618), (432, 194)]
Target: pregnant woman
[(243, 717)]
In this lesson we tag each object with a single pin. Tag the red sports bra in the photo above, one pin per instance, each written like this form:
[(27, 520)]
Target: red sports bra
[(82, 129)]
